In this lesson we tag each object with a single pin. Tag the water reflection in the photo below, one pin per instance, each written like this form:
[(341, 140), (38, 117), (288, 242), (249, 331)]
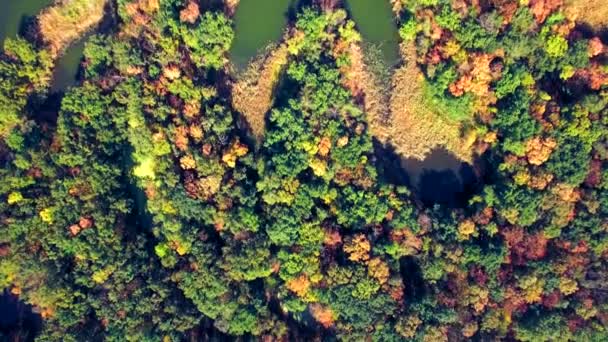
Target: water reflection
[(15, 15), (257, 24), (441, 178), (376, 22)]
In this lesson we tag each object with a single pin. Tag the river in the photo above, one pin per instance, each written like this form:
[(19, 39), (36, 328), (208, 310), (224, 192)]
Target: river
[(257, 23), (375, 21), (16, 13)]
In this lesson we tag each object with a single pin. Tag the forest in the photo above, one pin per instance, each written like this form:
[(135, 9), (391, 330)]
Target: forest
[(170, 194)]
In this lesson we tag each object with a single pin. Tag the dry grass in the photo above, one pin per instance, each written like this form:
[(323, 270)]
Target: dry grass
[(68, 20), (253, 93), (401, 116), (397, 6), (593, 12), (364, 85), (414, 128), (397, 110)]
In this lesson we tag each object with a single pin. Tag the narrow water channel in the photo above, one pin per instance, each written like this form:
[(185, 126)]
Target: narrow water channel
[(15, 15), (257, 23), (68, 65), (375, 21)]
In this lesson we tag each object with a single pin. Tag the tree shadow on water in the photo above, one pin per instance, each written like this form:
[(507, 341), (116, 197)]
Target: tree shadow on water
[(411, 273), (17, 320), (448, 187), (440, 178), (439, 187)]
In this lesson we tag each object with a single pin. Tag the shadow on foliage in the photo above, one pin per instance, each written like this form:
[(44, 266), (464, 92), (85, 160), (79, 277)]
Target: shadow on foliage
[(412, 279)]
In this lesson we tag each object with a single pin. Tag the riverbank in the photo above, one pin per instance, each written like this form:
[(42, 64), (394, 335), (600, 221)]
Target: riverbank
[(415, 127), (251, 34), (254, 91), (412, 125), (17, 16), (591, 12), (375, 22), (68, 20)]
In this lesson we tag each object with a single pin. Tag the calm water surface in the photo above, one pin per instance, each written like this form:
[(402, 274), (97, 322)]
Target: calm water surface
[(375, 21), (442, 178), (257, 23), (68, 65), (15, 13)]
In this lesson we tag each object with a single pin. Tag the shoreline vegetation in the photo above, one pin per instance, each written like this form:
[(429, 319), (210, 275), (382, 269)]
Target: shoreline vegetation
[(57, 27), (592, 12), (231, 7), (416, 128), (66, 21), (398, 113), (254, 89)]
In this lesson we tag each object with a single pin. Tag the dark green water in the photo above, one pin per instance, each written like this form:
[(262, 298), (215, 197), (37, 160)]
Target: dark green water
[(67, 66), (16, 14), (257, 23), (376, 23)]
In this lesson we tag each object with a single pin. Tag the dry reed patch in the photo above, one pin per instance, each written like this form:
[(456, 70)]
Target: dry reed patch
[(593, 12), (406, 119), (140, 13), (68, 20), (253, 93), (365, 87), (415, 129)]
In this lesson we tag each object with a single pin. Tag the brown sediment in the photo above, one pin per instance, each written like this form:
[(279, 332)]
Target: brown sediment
[(253, 93), (68, 20)]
